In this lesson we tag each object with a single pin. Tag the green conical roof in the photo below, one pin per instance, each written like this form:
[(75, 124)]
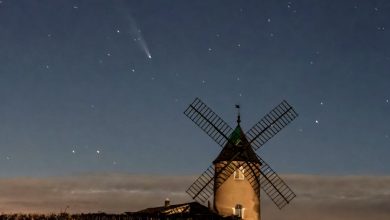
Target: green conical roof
[(238, 138)]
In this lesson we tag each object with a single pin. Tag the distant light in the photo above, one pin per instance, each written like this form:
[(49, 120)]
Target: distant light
[(321, 103), (98, 151), (118, 31), (317, 122), (73, 151), (150, 56)]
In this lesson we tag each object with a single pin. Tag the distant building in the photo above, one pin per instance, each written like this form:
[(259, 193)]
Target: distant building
[(185, 211)]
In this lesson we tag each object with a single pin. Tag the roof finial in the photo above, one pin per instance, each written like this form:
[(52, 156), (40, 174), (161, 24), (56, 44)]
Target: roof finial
[(238, 116)]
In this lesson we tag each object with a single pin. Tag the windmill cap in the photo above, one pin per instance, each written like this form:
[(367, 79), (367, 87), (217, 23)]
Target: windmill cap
[(229, 150)]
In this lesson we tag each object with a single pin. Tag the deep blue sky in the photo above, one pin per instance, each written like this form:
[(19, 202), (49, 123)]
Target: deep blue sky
[(75, 80)]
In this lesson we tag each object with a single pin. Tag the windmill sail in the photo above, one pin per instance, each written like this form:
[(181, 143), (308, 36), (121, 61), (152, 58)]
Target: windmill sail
[(208, 121), (253, 175), (271, 124), (203, 187), (274, 186)]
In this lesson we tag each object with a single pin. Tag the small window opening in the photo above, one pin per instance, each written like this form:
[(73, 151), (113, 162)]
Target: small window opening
[(239, 174), (238, 211)]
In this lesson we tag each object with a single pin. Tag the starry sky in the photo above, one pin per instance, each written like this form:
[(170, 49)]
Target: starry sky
[(101, 86)]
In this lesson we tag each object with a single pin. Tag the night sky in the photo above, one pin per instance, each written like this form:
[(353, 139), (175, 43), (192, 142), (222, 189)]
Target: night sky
[(101, 86)]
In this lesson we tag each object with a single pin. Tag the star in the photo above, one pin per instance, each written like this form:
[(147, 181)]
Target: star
[(133, 70), (203, 81), (108, 54), (387, 101), (75, 7), (321, 103), (97, 151), (317, 122), (269, 20), (210, 49), (73, 151), (118, 31)]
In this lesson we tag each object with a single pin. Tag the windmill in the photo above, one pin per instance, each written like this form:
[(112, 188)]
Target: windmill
[(238, 173)]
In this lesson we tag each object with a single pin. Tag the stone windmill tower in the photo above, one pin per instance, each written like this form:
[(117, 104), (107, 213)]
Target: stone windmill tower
[(237, 174)]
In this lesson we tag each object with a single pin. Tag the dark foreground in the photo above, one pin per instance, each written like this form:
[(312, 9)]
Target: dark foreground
[(185, 211), (103, 216)]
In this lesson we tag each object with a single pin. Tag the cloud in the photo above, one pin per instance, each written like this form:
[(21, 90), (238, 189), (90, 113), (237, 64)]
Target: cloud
[(318, 197), (327, 197), (90, 193)]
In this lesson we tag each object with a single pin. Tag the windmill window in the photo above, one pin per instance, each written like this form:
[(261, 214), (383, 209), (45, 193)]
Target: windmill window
[(239, 174), (239, 211)]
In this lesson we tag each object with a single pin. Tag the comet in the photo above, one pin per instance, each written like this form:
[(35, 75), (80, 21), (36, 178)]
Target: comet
[(137, 35), (134, 31)]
